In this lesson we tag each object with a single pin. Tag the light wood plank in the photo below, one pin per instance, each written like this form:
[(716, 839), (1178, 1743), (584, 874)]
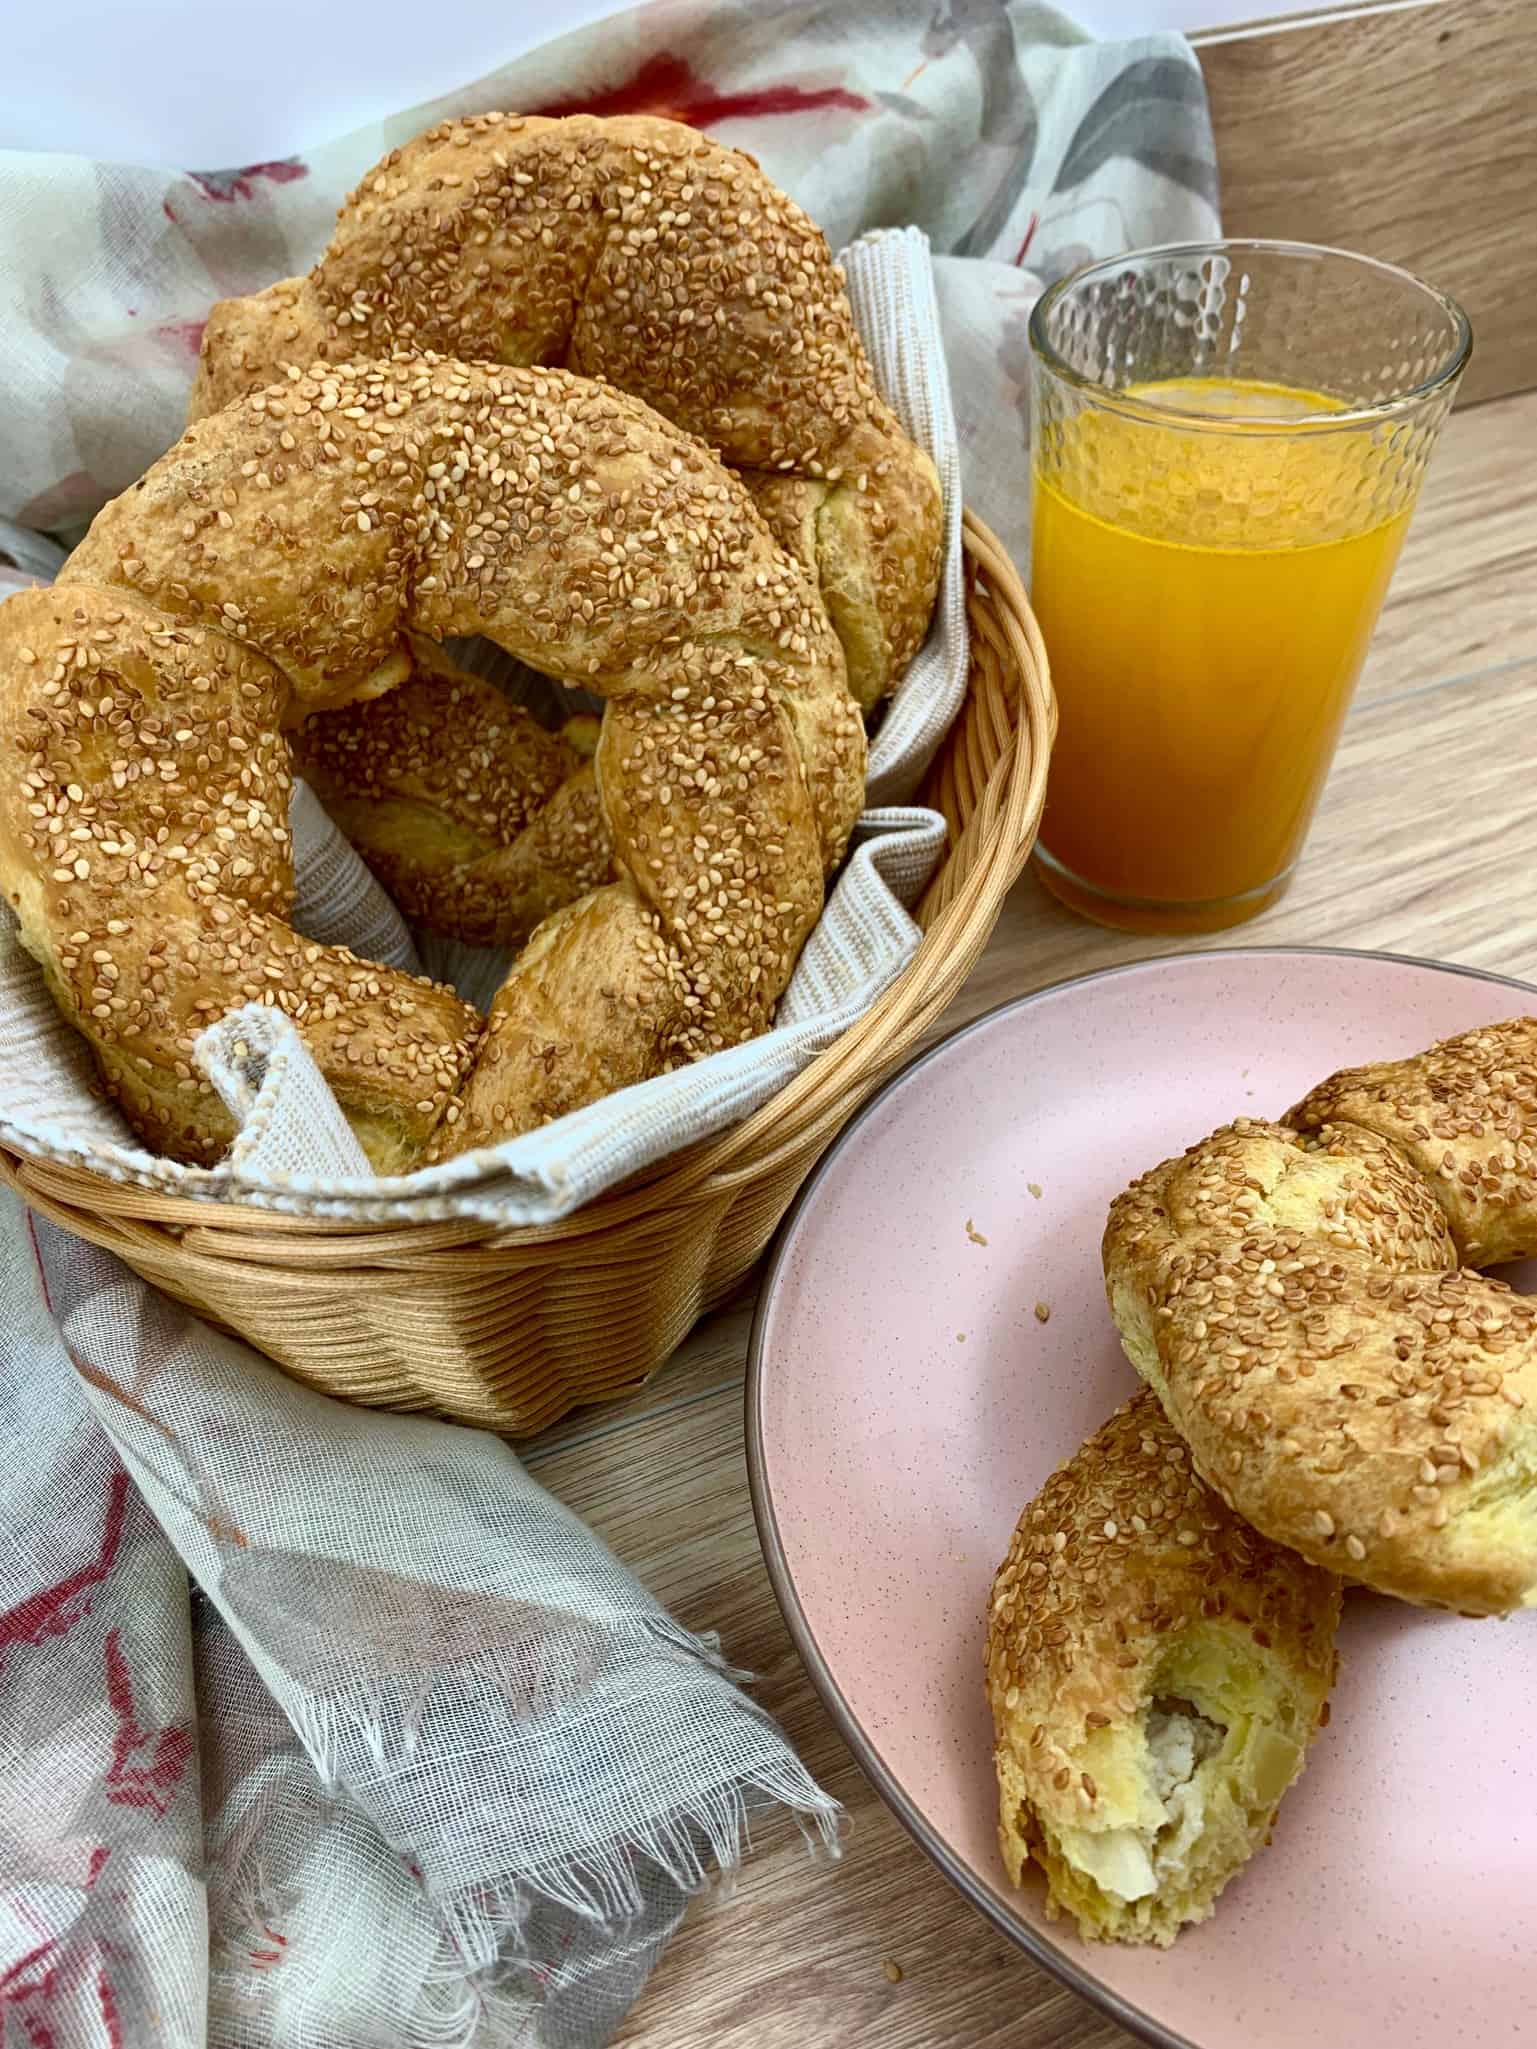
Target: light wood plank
[(1407, 136), (1425, 843), (1465, 592)]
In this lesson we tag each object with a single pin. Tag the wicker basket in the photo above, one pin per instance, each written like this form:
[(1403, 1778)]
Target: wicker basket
[(511, 1328)]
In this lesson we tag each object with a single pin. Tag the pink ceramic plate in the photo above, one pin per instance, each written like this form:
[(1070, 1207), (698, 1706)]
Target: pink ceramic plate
[(905, 1401)]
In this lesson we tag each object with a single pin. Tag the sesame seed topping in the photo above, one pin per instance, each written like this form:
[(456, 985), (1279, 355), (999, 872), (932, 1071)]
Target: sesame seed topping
[(596, 229), (1342, 1379), (743, 789)]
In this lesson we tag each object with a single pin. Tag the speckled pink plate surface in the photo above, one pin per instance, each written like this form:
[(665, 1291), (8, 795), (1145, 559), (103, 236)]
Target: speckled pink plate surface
[(904, 1402)]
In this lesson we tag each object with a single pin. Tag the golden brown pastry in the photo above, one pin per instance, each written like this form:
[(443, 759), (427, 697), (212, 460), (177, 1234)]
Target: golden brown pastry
[(144, 844), (639, 251), (1296, 1302), (1465, 1113), (477, 820), (1156, 1671), (277, 561)]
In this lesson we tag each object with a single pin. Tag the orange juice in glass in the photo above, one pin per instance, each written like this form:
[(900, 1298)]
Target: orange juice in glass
[(1228, 442)]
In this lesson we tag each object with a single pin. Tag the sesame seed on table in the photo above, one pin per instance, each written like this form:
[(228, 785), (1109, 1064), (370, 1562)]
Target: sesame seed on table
[(1426, 842)]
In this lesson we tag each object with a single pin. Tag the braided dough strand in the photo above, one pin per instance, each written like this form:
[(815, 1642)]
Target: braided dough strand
[(1465, 1114), (640, 252), (725, 888)]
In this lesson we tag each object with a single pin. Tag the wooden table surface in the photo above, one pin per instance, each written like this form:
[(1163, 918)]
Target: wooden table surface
[(1426, 843)]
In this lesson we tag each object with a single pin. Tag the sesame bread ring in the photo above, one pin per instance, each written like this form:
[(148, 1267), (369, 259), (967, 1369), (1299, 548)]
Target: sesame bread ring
[(1156, 1671), (477, 820), (638, 251), (289, 546), (1295, 1300)]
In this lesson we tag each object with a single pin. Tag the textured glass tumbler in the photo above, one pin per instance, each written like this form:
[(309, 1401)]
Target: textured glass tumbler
[(1228, 442)]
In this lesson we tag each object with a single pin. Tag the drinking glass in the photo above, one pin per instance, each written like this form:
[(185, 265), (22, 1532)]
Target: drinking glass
[(1228, 441)]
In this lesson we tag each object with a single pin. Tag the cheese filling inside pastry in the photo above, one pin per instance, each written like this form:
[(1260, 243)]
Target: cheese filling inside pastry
[(1156, 1671)]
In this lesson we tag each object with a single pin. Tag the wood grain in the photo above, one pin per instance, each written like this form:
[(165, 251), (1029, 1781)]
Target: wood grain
[(1426, 843), (1466, 584), (1407, 136)]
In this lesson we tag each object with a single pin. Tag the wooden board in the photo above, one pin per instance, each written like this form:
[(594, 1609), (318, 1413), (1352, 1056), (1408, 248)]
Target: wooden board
[(1408, 134), (1426, 842), (1466, 585)]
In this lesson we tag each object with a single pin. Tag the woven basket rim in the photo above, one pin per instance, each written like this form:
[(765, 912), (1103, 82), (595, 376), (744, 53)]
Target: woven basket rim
[(711, 1168)]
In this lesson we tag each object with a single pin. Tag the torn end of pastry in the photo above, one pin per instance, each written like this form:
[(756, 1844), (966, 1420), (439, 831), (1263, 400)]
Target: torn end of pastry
[(1187, 1788), (1156, 1671)]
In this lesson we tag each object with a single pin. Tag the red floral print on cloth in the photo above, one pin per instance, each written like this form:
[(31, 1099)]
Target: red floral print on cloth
[(184, 336), (152, 1781), (225, 187), (32, 2001), (111, 2019), (55, 1610), (670, 86), (18, 1994), (264, 1959)]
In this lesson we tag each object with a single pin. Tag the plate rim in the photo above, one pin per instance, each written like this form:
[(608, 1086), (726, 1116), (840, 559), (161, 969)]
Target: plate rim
[(1041, 1950)]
